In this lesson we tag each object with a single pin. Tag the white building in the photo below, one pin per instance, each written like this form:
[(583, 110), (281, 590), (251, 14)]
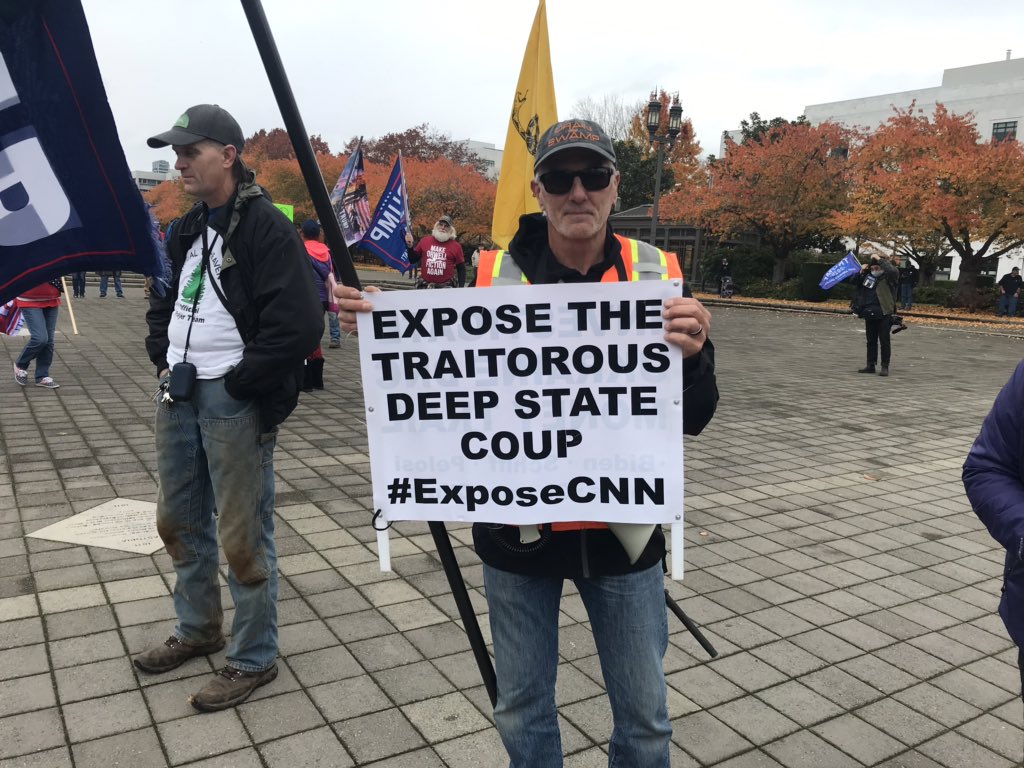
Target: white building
[(487, 152), (993, 93), (162, 171)]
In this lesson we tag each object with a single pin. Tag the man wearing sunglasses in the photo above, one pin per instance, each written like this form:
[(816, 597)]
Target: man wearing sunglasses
[(576, 182)]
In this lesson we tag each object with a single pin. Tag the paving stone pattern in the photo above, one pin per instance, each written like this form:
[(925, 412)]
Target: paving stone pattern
[(831, 557)]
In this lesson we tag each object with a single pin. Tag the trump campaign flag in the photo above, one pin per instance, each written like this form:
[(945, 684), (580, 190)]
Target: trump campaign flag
[(848, 266), (67, 199), (349, 199), (385, 237), (533, 112)]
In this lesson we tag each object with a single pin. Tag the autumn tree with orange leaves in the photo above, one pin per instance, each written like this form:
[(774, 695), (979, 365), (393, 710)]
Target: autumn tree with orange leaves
[(275, 144), (169, 201), (638, 157), (436, 187), (924, 178), (783, 185)]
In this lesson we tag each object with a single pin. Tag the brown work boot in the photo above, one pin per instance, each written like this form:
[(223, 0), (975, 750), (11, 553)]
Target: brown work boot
[(229, 687), (173, 653)]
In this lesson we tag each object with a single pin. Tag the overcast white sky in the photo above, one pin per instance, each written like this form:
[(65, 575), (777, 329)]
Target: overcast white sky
[(375, 67)]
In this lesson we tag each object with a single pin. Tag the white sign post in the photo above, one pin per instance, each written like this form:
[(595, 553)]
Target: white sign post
[(522, 406)]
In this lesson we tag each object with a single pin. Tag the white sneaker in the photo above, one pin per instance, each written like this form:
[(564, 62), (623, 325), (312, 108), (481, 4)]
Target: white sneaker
[(47, 382), (20, 376)]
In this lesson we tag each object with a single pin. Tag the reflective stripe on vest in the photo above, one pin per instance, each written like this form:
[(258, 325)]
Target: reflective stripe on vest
[(642, 262)]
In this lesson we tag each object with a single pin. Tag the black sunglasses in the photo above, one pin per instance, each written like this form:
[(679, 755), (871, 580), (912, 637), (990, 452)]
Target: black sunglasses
[(560, 182)]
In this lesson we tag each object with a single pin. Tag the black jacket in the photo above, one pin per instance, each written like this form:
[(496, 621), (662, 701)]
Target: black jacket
[(270, 293), (573, 554)]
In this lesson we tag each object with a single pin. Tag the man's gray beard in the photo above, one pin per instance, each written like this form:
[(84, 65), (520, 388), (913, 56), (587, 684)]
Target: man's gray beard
[(443, 237)]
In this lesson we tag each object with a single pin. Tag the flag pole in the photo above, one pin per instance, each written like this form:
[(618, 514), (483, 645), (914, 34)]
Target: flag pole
[(336, 242), (300, 140), (71, 309)]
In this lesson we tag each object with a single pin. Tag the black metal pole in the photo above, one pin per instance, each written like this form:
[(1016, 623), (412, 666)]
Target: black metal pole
[(657, 191), (300, 141), (336, 242), (461, 595), (689, 624)]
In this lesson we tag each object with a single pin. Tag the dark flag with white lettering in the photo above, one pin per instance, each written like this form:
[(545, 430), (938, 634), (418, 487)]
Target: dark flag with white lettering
[(350, 200), (386, 236), (67, 199)]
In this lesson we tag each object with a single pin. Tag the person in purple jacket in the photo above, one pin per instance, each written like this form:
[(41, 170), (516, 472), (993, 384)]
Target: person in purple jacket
[(994, 480)]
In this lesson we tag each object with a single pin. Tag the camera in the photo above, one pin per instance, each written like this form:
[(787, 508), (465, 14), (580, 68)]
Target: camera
[(898, 324), (182, 382)]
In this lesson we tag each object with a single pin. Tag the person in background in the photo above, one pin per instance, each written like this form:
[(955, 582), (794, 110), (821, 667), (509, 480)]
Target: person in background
[(320, 261), (39, 307), (725, 285), (443, 263), (118, 289), (908, 279), (78, 285), (320, 253), (1009, 293), (875, 303)]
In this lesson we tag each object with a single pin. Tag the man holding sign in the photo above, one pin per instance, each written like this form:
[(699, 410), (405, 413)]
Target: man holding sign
[(576, 182)]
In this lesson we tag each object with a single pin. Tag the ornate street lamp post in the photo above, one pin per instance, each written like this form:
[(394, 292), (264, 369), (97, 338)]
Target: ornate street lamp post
[(675, 124)]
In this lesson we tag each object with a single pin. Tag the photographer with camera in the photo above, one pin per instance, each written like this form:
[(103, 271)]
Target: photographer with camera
[(875, 303)]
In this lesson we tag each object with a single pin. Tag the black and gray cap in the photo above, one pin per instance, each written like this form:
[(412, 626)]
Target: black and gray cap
[(203, 121), (574, 134)]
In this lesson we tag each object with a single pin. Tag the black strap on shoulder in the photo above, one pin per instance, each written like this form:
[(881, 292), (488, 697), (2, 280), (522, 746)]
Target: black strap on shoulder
[(203, 268)]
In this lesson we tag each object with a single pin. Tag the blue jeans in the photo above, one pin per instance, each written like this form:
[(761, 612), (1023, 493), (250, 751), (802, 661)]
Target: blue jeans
[(216, 467), (117, 285), (78, 283), (42, 327), (1007, 304), (907, 296), (335, 325), (630, 625)]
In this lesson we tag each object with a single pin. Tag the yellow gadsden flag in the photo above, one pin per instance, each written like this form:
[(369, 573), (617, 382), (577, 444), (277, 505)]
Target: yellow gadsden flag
[(533, 111)]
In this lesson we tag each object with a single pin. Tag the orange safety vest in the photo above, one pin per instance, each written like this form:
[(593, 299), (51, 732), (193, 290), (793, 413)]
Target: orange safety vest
[(642, 262)]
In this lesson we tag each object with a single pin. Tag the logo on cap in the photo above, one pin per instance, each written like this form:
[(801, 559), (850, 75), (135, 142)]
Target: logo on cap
[(182, 122), (573, 130)]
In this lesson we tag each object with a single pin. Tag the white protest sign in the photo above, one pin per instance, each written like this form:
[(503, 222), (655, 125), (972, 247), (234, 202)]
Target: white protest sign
[(524, 405)]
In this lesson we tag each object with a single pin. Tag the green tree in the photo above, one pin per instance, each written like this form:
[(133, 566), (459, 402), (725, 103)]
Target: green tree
[(756, 128), (637, 169)]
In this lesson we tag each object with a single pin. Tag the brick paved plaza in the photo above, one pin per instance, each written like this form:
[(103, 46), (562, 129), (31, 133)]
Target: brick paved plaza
[(831, 557)]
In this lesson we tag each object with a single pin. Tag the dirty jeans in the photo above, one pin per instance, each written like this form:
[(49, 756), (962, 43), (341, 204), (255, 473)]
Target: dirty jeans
[(217, 469), (630, 626)]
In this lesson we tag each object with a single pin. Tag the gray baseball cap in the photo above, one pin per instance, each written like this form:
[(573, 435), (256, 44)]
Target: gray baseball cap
[(574, 134), (203, 121)]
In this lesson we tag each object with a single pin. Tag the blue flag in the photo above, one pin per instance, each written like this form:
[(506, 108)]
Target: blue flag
[(846, 267), (385, 237), (67, 199)]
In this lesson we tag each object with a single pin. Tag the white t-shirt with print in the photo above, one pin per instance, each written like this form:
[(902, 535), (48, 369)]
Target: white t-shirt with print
[(215, 345)]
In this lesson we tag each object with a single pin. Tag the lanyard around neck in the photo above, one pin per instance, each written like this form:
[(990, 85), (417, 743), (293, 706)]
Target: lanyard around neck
[(207, 250)]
